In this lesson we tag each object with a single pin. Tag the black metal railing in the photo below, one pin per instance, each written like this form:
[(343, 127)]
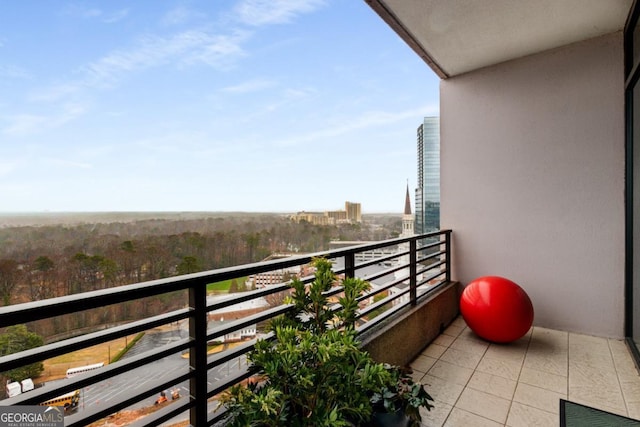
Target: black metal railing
[(403, 271)]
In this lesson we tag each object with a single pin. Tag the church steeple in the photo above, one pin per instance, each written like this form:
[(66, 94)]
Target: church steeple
[(407, 218), (407, 231), (407, 203)]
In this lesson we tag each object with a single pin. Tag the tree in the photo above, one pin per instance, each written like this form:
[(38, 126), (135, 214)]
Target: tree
[(15, 339), (95, 268), (109, 269), (128, 258), (157, 259), (189, 264), (43, 265), (252, 240), (9, 277)]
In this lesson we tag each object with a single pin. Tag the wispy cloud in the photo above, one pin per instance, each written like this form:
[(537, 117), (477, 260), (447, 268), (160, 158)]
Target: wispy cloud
[(115, 16), (249, 86), (25, 124), (81, 11), (66, 164), (180, 15), (85, 12), (200, 46), (290, 96), (266, 12), (22, 124), (97, 152), (176, 16), (185, 48), (13, 72), (217, 51), (368, 119), (183, 144), (182, 50), (55, 92), (91, 12)]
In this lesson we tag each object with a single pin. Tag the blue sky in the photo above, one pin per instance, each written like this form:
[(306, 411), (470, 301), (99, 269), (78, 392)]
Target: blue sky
[(246, 105)]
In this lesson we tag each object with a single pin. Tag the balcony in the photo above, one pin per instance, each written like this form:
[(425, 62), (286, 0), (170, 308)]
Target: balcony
[(472, 381), (413, 300), (475, 383), (539, 179)]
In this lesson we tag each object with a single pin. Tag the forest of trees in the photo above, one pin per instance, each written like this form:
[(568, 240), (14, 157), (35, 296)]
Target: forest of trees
[(39, 262)]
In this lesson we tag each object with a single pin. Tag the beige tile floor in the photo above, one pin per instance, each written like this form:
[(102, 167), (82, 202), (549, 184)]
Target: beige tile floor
[(476, 383)]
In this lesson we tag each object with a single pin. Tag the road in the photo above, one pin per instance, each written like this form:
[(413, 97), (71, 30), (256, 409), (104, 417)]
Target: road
[(110, 390)]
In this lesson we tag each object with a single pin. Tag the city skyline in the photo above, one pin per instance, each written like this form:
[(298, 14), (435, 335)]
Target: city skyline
[(189, 106)]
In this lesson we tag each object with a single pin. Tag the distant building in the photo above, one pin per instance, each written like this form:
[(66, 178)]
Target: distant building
[(427, 195), (337, 216), (407, 231), (354, 211), (275, 277), (362, 256), (221, 316), (408, 222), (351, 214), (248, 332), (315, 218)]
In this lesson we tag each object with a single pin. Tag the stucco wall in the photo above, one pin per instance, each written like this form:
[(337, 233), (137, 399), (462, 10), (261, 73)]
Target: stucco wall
[(532, 180)]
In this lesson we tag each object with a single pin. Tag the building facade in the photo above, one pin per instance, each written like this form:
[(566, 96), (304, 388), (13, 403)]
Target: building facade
[(315, 218), (337, 216), (427, 194), (351, 214), (354, 211)]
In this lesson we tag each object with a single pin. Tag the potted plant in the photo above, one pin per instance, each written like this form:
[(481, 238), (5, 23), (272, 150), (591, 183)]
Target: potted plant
[(314, 373), (399, 401)]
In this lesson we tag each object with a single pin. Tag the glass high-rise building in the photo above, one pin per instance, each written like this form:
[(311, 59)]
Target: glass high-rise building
[(427, 199)]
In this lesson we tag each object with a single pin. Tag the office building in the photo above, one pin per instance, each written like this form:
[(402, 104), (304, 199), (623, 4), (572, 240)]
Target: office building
[(427, 196), (354, 211)]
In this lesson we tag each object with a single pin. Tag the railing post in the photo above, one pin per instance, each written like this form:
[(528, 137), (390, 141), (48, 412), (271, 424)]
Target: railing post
[(413, 271), (198, 354), (350, 264), (447, 249)]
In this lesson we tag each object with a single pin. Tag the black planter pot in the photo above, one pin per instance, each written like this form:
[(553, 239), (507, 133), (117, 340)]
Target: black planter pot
[(387, 419)]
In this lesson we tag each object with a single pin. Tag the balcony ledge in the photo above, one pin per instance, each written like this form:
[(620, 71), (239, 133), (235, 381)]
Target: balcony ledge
[(401, 339)]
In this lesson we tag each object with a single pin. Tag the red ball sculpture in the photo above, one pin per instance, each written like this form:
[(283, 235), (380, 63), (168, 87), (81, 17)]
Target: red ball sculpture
[(496, 309)]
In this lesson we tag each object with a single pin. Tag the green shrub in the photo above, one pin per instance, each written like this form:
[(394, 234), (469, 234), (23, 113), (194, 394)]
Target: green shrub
[(314, 372)]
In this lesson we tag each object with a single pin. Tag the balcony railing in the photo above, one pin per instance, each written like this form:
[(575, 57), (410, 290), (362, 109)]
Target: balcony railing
[(413, 268)]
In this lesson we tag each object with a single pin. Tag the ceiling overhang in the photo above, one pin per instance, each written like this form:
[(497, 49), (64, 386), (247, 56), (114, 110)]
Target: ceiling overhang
[(457, 36)]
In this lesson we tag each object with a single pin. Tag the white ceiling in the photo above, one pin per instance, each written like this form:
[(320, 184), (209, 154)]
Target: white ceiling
[(457, 36)]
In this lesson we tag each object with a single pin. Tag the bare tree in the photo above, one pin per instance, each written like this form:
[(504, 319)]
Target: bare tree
[(10, 273)]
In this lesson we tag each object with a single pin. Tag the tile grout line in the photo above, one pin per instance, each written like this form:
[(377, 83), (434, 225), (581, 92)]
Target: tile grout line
[(465, 386), (437, 360), (519, 374), (568, 365), (468, 381), (615, 368), (570, 356)]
